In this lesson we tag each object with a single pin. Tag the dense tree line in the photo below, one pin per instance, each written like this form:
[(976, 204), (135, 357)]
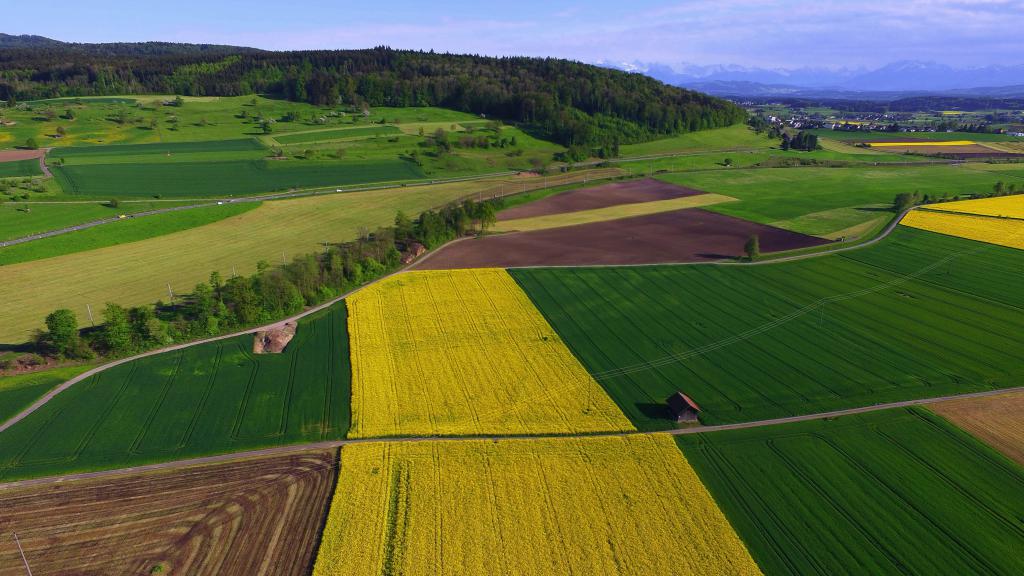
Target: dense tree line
[(568, 102), (224, 305), (802, 141)]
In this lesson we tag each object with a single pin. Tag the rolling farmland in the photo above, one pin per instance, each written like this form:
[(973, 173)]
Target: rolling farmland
[(1001, 231), (463, 353), (609, 213), (256, 516), (805, 199), (748, 343), (20, 168), (19, 391), (994, 419), (343, 133), (1001, 206), (138, 272), (892, 492), (222, 179), (532, 507), (206, 399), (121, 232)]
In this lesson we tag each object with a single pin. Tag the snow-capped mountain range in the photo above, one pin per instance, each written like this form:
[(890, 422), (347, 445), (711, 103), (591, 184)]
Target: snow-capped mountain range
[(904, 76)]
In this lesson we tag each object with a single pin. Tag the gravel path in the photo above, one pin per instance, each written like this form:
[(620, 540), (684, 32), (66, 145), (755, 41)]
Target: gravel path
[(281, 450)]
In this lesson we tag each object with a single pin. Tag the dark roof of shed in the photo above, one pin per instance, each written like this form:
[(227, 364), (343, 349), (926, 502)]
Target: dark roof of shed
[(679, 401)]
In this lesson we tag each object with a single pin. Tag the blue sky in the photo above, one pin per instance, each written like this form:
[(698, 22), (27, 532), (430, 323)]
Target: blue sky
[(766, 33)]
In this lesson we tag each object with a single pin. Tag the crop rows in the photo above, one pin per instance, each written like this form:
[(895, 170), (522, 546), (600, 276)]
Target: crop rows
[(748, 343), (18, 168), (205, 399), (228, 178), (994, 419), (892, 492), (464, 352), (1001, 206), (1001, 231), (533, 507)]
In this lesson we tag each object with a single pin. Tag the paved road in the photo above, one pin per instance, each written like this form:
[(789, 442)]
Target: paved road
[(49, 395), (321, 191), (334, 444)]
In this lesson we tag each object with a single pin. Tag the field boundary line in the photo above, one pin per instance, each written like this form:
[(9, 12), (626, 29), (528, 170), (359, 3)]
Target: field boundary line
[(332, 444)]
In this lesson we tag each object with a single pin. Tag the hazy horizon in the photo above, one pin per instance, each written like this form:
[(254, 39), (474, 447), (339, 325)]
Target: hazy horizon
[(765, 34)]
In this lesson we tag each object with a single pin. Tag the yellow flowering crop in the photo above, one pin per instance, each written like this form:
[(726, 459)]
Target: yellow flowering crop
[(922, 143), (1001, 231), (598, 505), (1003, 206), (463, 352)]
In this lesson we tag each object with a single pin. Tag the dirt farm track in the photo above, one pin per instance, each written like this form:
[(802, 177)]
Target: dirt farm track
[(248, 517)]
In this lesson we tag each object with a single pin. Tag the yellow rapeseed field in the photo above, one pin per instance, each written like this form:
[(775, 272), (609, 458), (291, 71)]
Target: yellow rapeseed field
[(923, 143), (1001, 231), (599, 505), (463, 352), (1003, 206)]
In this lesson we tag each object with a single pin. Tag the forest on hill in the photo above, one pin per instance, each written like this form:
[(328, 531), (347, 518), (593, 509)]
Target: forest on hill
[(568, 102)]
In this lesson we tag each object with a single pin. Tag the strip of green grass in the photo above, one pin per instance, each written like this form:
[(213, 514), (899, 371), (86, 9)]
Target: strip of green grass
[(20, 168), (892, 492), (339, 134), (20, 391), (120, 232), (162, 148), (742, 342), (220, 179), (206, 399), (19, 219)]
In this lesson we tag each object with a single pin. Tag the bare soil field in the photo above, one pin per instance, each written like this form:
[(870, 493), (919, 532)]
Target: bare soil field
[(614, 194), (690, 235), (995, 420), (15, 155), (259, 516)]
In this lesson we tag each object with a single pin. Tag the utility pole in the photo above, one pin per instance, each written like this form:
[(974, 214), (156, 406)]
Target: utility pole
[(23, 558), (170, 293), (89, 310)]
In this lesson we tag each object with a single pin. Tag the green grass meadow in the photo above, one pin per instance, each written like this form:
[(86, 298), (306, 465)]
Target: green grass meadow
[(890, 492), (120, 232), (755, 342), (19, 391), (20, 169), (340, 134), (206, 399), (790, 197)]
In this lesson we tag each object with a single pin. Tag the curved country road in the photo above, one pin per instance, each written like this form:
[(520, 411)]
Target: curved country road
[(281, 450)]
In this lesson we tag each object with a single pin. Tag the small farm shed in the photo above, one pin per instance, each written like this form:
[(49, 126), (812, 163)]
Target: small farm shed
[(683, 409)]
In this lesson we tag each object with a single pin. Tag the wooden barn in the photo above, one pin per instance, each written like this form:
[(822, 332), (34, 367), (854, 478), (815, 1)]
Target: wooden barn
[(683, 409)]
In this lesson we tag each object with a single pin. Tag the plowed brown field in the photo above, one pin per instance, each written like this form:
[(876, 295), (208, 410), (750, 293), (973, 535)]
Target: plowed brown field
[(614, 194), (260, 516), (690, 235), (994, 419)]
